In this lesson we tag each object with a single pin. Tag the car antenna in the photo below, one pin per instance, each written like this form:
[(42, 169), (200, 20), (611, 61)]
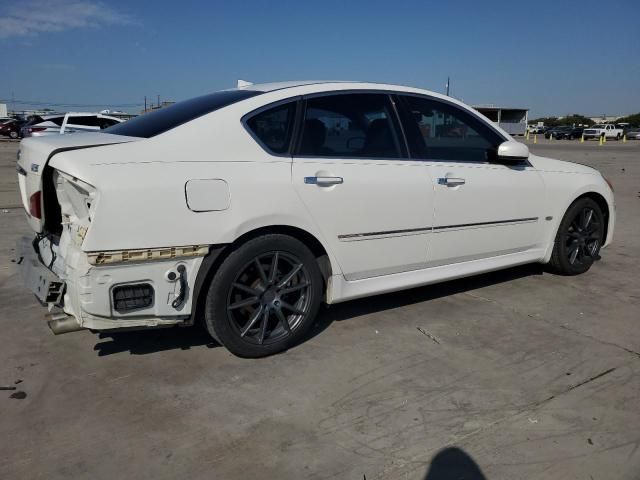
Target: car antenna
[(244, 83)]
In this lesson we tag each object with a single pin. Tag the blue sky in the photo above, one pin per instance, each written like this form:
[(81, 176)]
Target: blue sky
[(554, 57)]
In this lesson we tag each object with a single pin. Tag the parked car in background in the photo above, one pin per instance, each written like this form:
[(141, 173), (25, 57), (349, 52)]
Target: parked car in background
[(246, 209), (536, 128), (606, 130), (566, 132), (70, 123), (633, 134), (11, 128)]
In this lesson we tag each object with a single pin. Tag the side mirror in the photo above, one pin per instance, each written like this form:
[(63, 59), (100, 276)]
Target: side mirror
[(512, 151)]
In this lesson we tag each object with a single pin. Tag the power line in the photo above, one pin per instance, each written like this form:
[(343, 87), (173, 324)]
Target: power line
[(57, 104)]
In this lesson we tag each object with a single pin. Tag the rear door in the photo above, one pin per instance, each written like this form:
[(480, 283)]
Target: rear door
[(482, 208), (372, 203)]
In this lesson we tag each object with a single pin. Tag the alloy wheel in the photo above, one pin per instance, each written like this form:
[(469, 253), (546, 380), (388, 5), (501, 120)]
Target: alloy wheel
[(583, 236), (269, 298)]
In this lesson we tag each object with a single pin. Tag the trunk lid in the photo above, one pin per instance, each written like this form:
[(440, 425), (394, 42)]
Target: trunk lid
[(34, 155)]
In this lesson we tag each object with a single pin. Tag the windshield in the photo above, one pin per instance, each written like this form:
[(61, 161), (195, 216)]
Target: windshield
[(159, 121)]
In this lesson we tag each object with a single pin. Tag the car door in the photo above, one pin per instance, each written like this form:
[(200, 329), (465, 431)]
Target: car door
[(482, 208), (350, 169)]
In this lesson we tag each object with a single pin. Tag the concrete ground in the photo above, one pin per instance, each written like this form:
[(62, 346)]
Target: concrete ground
[(518, 374)]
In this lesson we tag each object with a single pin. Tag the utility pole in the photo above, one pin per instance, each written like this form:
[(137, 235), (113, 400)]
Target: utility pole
[(145, 103), (158, 101), (448, 86)]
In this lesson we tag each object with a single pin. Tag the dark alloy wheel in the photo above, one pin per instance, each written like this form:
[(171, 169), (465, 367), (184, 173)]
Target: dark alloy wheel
[(579, 238), (269, 298), (264, 297)]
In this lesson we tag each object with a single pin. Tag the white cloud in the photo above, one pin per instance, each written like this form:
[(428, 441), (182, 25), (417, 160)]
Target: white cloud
[(32, 17)]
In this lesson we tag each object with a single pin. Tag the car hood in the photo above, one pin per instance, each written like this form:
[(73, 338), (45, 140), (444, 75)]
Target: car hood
[(546, 164)]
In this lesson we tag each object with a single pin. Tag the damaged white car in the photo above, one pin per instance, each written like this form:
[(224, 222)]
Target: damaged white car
[(247, 208)]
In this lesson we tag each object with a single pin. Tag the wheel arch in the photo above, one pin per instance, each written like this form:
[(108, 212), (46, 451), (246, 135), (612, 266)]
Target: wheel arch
[(604, 206), (596, 197), (218, 253)]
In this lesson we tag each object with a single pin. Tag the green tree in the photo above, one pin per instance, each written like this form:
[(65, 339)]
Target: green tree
[(577, 119), (633, 120), (573, 119), (547, 121)]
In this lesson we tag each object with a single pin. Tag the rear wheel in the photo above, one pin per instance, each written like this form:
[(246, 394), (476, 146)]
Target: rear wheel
[(579, 238), (13, 134), (264, 297)]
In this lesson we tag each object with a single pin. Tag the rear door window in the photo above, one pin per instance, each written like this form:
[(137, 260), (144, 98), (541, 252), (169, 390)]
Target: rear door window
[(84, 121), (353, 125)]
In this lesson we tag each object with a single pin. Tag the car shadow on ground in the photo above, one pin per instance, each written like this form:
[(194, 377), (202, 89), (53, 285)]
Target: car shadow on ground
[(389, 301), (143, 342)]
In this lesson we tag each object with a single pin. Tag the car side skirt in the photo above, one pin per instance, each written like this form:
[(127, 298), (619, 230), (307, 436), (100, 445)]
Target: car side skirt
[(340, 290)]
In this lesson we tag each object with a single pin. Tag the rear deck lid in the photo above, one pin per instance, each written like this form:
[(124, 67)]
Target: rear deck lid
[(36, 152)]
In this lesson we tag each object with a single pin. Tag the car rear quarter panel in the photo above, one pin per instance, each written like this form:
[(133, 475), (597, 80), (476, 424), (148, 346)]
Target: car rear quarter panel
[(141, 200)]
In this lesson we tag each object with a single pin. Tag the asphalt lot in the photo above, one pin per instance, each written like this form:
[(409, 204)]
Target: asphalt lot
[(525, 374)]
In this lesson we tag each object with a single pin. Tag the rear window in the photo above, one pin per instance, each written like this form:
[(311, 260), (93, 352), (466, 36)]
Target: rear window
[(159, 121), (84, 121)]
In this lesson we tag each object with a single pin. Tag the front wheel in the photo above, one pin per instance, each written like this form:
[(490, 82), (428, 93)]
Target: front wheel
[(264, 297), (13, 134), (579, 238)]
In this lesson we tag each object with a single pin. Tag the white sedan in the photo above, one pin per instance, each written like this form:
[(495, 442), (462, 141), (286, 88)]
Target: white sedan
[(247, 208)]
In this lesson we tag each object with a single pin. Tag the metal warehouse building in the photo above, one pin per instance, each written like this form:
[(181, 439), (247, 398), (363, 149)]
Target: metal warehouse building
[(513, 120)]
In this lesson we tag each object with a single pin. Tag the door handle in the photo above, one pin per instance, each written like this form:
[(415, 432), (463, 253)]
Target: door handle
[(451, 181), (323, 181)]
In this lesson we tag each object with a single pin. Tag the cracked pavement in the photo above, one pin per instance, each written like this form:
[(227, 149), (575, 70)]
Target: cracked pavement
[(531, 375)]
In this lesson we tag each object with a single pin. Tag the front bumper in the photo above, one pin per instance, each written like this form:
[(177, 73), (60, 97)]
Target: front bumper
[(86, 292)]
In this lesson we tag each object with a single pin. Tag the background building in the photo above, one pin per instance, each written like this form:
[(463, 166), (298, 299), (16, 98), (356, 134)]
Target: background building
[(513, 120)]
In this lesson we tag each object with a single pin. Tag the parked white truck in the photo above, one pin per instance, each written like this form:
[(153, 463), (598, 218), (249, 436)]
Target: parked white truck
[(603, 130)]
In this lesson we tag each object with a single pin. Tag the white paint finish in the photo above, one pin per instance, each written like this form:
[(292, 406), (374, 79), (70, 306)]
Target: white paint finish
[(34, 154), (341, 290), (513, 149), (369, 201), (491, 193), (207, 195), (142, 187)]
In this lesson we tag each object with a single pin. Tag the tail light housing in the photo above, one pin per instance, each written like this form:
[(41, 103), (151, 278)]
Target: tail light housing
[(35, 205), (36, 129)]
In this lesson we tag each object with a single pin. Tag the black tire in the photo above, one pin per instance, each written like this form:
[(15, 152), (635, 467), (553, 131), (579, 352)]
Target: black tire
[(618, 137), (13, 134), (246, 289), (579, 238)]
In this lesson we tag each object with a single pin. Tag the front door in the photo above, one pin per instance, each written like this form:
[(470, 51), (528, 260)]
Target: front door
[(372, 204), (481, 208)]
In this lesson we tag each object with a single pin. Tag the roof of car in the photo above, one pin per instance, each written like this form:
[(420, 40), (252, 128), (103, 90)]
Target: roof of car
[(270, 87)]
